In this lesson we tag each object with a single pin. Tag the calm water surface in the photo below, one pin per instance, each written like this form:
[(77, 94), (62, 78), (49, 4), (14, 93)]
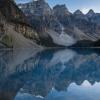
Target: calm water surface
[(58, 74)]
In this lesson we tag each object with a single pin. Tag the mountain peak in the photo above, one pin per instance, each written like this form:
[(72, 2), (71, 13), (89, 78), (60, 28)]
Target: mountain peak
[(78, 12), (39, 0), (90, 13), (61, 8)]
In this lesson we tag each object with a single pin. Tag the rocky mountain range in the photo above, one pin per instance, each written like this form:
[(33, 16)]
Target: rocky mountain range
[(59, 26), (35, 23)]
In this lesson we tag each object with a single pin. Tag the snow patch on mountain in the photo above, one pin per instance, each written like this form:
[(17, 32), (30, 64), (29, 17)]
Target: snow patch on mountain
[(61, 39)]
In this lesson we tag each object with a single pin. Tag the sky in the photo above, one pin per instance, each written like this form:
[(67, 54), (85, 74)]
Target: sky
[(72, 5)]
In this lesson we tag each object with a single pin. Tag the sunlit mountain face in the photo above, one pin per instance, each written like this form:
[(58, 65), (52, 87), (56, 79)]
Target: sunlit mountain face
[(15, 29), (63, 74)]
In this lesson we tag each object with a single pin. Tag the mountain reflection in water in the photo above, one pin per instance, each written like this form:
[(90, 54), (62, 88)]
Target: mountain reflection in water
[(58, 74)]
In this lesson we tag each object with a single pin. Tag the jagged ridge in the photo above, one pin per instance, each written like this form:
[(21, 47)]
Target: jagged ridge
[(78, 26)]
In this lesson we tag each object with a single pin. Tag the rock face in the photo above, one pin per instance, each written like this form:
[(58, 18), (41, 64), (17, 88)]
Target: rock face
[(14, 23), (91, 13), (94, 17), (37, 11), (43, 19), (63, 15), (74, 27)]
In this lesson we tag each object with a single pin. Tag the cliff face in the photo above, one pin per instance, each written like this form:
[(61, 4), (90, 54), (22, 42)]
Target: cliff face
[(38, 12), (12, 18), (73, 27), (62, 14)]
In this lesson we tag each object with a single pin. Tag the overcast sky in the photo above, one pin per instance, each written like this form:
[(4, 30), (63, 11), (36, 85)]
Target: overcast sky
[(72, 5)]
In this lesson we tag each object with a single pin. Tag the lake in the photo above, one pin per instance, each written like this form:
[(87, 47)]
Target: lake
[(54, 74)]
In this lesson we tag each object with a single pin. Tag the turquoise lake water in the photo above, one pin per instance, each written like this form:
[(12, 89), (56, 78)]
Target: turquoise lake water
[(54, 74)]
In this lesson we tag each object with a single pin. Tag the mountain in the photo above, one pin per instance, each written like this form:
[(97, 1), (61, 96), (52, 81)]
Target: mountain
[(90, 13), (94, 17), (15, 29), (43, 19), (37, 23), (57, 26)]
